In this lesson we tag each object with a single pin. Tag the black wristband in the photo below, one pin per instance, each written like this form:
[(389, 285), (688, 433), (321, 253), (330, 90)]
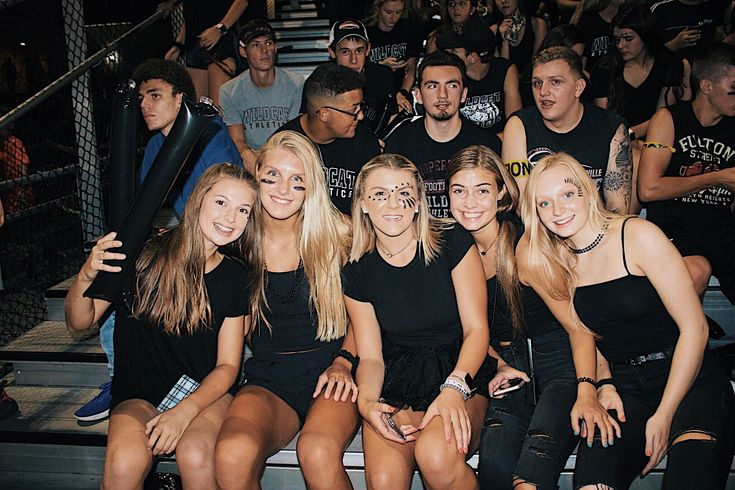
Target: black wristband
[(405, 93), (178, 45), (605, 381), (354, 360), (586, 379)]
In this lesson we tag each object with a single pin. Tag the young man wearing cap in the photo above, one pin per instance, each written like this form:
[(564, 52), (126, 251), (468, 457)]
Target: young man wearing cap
[(333, 96), (432, 140), (493, 93), (560, 121), (261, 99), (349, 46)]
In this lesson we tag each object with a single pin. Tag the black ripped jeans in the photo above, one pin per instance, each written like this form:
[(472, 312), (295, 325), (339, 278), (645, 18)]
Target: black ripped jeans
[(707, 408), (527, 442)]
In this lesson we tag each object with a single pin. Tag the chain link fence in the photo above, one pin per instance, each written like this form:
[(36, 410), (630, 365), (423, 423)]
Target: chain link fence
[(60, 62)]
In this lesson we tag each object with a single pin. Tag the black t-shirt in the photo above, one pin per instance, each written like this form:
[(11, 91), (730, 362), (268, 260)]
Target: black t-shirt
[(149, 361), (597, 37), (669, 17), (485, 103), (342, 158), (416, 304), (699, 150), (639, 103), (431, 157), (401, 43), (588, 142), (377, 93)]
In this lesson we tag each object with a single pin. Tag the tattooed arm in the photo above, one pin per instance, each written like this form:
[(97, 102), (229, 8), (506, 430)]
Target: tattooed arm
[(618, 181)]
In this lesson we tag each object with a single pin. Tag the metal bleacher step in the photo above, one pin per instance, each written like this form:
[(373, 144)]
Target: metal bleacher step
[(302, 6), (297, 14), (303, 56), (55, 299), (304, 43), (50, 355)]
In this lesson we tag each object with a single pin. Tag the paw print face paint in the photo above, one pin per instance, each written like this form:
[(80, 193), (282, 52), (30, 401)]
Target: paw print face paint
[(391, 201), (576, 184)]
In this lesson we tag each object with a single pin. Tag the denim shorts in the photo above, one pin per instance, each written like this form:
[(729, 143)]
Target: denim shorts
[(531, 443), (706, 408)]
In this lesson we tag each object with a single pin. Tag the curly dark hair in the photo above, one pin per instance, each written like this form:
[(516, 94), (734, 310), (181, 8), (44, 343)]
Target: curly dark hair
[(168, 71)]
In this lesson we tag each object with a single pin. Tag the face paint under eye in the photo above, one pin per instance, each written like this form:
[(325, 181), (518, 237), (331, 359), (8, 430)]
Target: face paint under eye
[(378, 198), (299, 188), (408, 202), (576, 184), (267, 181)]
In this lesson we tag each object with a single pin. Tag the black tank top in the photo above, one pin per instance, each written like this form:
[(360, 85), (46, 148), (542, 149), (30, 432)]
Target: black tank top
[(628, 314), (521, 55), (588, 142), (537, 319), (699, 150)]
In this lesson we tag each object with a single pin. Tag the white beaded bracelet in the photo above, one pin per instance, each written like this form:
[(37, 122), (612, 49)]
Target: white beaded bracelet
[(456, 385)]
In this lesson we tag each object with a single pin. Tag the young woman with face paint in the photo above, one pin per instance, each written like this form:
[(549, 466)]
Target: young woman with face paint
[(618, 284), (416, 299), (297, 378), (524, 444), (187, 319)]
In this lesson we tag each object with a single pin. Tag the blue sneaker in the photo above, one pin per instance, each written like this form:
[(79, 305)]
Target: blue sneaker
[(97, 408)]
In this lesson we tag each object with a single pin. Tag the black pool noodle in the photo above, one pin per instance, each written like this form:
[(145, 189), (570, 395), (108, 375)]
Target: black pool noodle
[(123, 133), (188, 126)]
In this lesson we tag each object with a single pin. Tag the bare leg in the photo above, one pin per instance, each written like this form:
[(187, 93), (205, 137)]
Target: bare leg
[(389, 465), (216, 76), (442, 465), (329, 428), (258, 424), (199, 77), (127, 459), (195, 450), (700, 270)]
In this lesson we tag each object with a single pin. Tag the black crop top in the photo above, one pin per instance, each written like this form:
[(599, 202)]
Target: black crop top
[(293, 322), (628, 314)]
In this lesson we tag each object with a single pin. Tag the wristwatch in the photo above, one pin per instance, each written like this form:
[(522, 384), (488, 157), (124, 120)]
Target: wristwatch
[(221, 28)]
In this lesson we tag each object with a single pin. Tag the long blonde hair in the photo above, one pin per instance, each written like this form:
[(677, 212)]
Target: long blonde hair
[(170, 289), (482, 157), (428, 229), (323, 236), (550, 257)]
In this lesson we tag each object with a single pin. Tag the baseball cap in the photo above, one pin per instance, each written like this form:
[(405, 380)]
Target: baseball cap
[(256, 28), (347, 28), (475, 38)]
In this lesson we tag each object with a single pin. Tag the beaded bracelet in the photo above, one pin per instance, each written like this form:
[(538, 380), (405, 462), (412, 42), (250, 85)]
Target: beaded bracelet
[(456, 385), (587, 379), (653, 144)]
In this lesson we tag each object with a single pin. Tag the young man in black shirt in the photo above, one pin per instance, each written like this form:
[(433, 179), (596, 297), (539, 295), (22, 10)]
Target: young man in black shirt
[(561, 122), (349, 46), (493, 93), (333, 96), (687, 171), (432, 140)]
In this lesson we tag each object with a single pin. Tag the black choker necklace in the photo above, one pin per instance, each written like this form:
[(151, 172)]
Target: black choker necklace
[(594, 243)]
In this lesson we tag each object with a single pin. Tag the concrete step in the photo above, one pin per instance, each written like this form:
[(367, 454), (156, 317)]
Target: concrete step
[(300, 24), (303, 56), (303, 44), (297, 14), (312, 32)]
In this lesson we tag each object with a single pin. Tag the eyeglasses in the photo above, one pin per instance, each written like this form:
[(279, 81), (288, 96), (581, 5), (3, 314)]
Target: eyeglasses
[(458, 3), (354, 115)]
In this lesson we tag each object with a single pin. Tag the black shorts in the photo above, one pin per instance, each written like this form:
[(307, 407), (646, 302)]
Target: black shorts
[(200, 58), (293, 381), (715, 242)]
